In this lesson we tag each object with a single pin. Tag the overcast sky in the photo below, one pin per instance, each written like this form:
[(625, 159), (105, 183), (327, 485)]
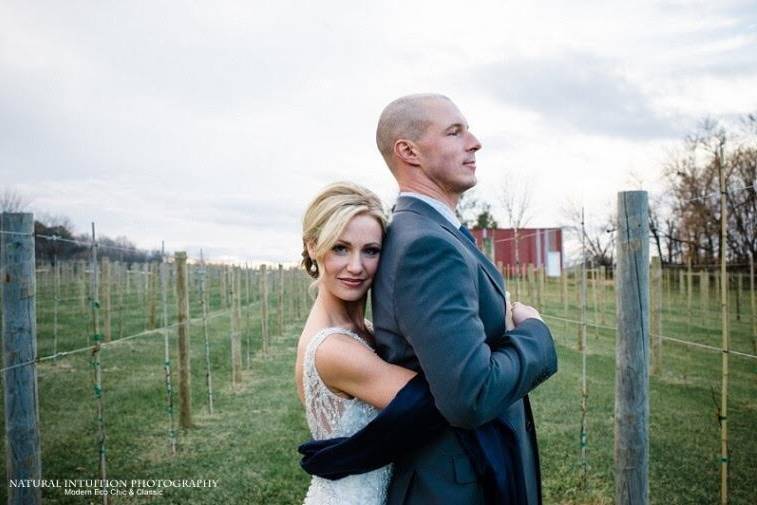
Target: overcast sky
[(212, 124)]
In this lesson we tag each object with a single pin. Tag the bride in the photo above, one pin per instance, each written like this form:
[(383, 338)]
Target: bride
[(340, 380)]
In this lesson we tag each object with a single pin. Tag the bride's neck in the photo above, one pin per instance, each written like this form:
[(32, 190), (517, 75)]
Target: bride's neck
[(338, 312)]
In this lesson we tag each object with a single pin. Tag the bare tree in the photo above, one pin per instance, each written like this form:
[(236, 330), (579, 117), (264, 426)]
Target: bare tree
[(515, 197), (599, 234), (12, 201), (694, 192)]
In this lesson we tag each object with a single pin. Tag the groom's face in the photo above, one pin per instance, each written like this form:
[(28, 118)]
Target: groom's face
[(448, 149)]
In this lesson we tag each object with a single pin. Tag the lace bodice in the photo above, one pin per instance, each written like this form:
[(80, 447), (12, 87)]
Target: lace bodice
[(328, 416)]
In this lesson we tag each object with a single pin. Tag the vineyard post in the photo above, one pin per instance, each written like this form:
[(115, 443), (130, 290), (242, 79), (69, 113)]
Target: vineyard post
[(163, 268), (56, 300), (152, 276), (182, 302), (582, 291), (689, 293), (564, 297), (655, 295), (127, 287), (204, 305), (264, 308), (224, 288), (582, 345), (704, 293), (145, 285), (594, 295), (631, 452), (723, 414), (739, 289), (532, 282), (106, 300), (248, 309), (305, 283), (668, 281), (22, 441), (236, 331), (517, 263), (96, 364), (753, 303), (281, 301)]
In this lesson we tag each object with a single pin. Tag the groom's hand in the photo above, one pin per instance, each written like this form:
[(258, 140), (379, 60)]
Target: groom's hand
[(521, 312)]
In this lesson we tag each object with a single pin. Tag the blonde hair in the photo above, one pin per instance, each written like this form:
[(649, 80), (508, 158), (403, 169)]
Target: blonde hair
[(329, 213)]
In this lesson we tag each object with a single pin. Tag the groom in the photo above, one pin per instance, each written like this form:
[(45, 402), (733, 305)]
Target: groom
[(460, 432), (437, 302)]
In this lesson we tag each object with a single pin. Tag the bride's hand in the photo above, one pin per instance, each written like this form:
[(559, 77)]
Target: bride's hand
[(521, 312)]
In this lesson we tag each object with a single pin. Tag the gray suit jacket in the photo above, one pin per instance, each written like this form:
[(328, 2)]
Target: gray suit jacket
[(437, 301)]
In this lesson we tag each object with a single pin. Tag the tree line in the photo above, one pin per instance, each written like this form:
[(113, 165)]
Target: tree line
[(56, 240), (684, 218)]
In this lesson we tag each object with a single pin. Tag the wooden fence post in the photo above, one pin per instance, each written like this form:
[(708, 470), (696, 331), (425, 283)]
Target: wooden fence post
[(564, 298), (582, 291), (689, 293), (204, 305), (236, 327), (281, 301), (152, 277), (182, 302), (56, 301), (594, 301), (22, 442), (753, 303), (631, 356), (305, 296), (248, 309), (264, 336), (704, 293)]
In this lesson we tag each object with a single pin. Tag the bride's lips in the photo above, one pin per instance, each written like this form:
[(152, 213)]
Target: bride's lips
[(351, 283)]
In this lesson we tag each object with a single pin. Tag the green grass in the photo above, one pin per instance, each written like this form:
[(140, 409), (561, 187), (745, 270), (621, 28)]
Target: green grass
[(249, 444)]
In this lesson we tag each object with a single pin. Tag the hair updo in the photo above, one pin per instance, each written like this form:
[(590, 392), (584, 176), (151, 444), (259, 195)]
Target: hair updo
[(329, 213)]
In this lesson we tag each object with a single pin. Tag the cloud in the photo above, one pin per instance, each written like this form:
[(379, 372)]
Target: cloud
[(579, 91)]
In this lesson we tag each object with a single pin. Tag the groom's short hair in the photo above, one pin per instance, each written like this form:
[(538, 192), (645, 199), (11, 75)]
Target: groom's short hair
[(404, 118)]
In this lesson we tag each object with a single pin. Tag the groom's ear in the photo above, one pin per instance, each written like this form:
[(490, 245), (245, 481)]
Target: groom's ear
[(407, 151)]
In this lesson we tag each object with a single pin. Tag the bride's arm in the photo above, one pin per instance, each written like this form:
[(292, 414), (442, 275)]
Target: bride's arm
[(347, 366)]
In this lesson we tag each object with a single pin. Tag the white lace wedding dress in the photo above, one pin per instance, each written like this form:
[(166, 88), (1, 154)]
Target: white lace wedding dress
[(329, 416)]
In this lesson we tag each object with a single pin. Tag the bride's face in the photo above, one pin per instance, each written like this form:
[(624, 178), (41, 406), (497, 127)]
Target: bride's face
[(348, 268)]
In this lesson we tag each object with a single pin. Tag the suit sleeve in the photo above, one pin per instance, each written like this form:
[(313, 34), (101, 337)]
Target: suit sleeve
[(436, 305)]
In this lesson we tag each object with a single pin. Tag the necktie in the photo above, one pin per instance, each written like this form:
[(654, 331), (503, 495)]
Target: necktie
[(468, 234)]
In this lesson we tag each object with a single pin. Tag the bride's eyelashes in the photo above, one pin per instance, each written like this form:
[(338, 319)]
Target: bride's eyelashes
[(369, 250), (339, 248)]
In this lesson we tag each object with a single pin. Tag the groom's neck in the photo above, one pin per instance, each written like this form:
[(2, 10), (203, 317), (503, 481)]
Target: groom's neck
[(432, 191)]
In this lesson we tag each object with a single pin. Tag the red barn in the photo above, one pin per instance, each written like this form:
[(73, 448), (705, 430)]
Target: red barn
[(541, 247)]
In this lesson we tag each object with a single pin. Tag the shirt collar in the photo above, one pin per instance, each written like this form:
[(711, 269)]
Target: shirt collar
[(440, 207)]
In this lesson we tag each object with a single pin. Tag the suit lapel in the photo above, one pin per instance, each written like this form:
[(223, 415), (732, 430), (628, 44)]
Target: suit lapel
[(411, 204)]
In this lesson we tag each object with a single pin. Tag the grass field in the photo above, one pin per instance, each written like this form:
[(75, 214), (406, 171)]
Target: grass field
[(249, 444)]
